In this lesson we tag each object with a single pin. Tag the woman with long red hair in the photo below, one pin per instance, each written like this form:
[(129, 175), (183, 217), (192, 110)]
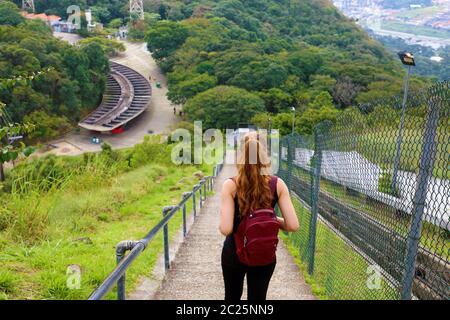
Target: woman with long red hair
[(250, 224)]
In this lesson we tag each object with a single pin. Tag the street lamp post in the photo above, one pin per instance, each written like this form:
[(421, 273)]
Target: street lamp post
[(293, 120), (270, 134), (408, 60)]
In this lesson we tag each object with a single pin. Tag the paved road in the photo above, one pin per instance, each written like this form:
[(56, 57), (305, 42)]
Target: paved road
[(158, 118), (72, 38), (196, 272)]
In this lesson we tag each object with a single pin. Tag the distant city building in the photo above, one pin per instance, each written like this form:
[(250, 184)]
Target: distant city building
[(64, 26), (52, 21)]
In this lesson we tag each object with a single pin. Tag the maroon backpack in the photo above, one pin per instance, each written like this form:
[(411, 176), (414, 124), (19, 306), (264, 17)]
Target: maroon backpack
[(256, 238)]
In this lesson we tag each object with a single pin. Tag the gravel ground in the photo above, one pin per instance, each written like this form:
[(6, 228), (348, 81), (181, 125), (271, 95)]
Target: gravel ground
[(196, 274)]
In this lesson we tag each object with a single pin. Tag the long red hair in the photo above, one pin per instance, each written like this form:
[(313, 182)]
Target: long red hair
[(253, 189)]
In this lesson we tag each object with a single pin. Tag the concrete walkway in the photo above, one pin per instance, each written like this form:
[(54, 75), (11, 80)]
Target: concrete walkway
[(196, 273)]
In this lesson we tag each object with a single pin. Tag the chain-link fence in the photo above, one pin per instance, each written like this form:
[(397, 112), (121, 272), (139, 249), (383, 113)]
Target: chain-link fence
[(372, 193)]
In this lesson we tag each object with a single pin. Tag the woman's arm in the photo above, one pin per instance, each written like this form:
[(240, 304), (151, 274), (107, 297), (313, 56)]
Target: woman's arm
[(289, 222), (227, 207)]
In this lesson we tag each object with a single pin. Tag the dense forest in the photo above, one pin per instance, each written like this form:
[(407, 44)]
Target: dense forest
[(279, 54), (265, 56), (59, 98)]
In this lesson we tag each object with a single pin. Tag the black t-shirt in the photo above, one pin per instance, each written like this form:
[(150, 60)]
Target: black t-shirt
[(229, 255)]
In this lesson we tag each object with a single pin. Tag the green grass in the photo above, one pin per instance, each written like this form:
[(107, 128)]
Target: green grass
[(416, 30), (420, 12), (79, 223), (340, 272), (433, 238), (379, 146)]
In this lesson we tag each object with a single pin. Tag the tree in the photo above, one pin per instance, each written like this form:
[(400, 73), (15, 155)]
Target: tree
[(283, 122), (46, 126), (165, 37), (379, 90), (10, 147), (72, 87), (184, 90), (323, 99), (322, 83), (10, 14), (276, 100), (115, 23), (223, 107), (110, 47), (345, 92), (262, 120), (151, 18), (101, 13), (311, 117), (260, 75)]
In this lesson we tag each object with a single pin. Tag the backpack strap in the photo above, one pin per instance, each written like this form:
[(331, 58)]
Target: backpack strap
[(273, 184)]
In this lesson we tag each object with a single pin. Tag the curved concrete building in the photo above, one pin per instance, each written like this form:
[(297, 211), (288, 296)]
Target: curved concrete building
[(127, 95)]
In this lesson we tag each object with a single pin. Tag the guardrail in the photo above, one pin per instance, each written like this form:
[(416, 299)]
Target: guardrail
[(135, 248)]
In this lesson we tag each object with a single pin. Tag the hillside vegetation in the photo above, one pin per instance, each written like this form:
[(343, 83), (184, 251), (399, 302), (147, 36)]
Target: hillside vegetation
[(301, 54), (56, 212), (59, 98)]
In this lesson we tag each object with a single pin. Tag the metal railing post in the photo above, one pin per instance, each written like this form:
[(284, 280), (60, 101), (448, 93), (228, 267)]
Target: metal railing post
[(315, 189), (200, 197), (194, 203), (425, 172), (166, 210), (185, 195), (204, 188), (121, 248)]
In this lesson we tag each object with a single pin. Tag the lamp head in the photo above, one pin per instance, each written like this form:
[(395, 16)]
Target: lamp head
[(407, 58)]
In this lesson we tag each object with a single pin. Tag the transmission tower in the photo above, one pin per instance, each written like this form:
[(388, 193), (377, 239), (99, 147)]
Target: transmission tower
[(28, 5), (137, 8)]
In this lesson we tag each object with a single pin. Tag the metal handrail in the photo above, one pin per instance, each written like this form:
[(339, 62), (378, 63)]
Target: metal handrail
[(137, 247)]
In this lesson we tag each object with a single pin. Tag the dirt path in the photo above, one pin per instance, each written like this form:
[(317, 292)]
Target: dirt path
[(196, 273)]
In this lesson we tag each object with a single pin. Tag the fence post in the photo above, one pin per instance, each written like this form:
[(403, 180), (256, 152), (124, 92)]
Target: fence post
[(121, 248), (200, 196), (194, 203), (185, 195), (290, 159), (315, 189), (205, 181), (425, 172), (166, 210)]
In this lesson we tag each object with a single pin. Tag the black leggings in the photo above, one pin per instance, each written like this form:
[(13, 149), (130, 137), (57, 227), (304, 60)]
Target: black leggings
[(258, 279)]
